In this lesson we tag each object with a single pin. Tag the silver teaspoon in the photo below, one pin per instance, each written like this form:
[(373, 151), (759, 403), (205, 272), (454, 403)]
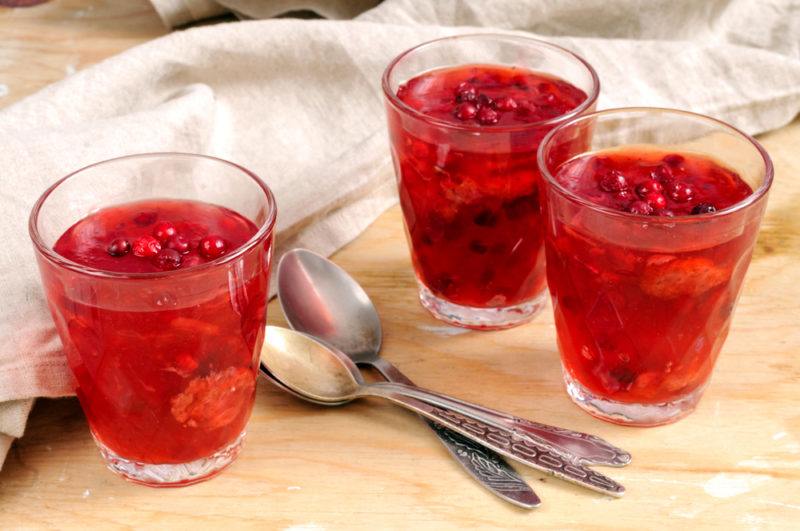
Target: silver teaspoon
[(323, 300), (323, 374)]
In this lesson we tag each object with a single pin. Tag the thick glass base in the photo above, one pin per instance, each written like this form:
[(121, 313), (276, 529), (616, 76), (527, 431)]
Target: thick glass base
[(481, 318), (172, 475), (629, 414)]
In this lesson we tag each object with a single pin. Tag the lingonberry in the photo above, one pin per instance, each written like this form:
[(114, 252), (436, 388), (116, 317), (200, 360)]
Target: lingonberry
[(613, 181), (168, 259), (146, 246), (179, 243), (506, 103), (656, 200), (164, 231), (465, 91), (466, 111), (487, 116), (119, 247), (680, 192), (641, 208), (212, 247), (645, 188)]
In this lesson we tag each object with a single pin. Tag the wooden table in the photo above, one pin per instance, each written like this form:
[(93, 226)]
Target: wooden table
[(734, 463)]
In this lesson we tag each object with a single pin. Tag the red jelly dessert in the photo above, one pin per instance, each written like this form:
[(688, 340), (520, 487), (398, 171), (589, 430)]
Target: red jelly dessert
[(468, 179), (163, 356), (641, 311)]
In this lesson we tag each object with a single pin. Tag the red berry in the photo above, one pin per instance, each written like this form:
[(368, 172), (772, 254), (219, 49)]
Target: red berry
[(506, 103), (466, 92), (212, 247), (703, 208), (613, 181), (662, 173), (656, 200), (164, 231), (681, 192), (647, 187), (179, 243), (641, 208), (488, 116), (146, 246), (673, 159), (485, 101), (119, 247), (143, 219), (466, 111), (623, 195), (168, 259)]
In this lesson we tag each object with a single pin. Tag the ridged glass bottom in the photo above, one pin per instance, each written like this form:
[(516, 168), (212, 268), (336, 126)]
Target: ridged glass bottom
[(629, 414), (481, 318), (172, 475)]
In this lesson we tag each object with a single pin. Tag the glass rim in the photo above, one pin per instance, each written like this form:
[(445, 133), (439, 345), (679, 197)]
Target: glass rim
[(753, 198), (590, 100), (49, 253)]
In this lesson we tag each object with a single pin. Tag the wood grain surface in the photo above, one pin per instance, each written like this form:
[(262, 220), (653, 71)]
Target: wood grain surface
[(734, 463)]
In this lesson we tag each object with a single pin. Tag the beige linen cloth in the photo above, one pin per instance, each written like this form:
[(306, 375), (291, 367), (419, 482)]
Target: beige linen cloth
[(299, 102)]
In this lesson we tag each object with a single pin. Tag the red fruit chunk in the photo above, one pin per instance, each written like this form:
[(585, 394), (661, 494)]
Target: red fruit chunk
[(212, 247), (146, 246), (485, 101), (647, 187), (164, 231), (119, 247), (464, 92), (681, 277), (466, 111), (703, 208), (214, 401), (681, 192)]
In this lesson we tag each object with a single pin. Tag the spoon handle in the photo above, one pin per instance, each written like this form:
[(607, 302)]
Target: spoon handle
[(486, 466), (503, 441)]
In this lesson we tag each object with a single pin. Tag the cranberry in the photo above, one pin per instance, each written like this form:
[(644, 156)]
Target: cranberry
[(146, 246), (703, 208), (647, 187), (613, 181), (466, 92), (168, 259), (212, 247), (506, 103), (673, 159), (656, 200), (488, 116), (681, 192), (179, 243), (144, 219), (485, 101), (164, 231), (662, 174), (466, 111), (119, 247), (641, 208), (623, 195)]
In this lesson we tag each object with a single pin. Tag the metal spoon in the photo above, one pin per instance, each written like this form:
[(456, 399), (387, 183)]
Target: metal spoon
[(323, 374), (321, 299)]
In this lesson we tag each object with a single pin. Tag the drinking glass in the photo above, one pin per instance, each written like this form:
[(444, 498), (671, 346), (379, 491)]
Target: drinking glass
[(643, 304), (469, 193), (165, 363)]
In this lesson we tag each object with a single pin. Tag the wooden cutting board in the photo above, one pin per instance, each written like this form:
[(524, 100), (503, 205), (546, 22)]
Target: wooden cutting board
[(735, 462)]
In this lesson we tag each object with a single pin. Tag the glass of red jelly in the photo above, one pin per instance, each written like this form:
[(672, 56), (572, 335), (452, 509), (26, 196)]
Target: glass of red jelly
[(651, 216), (466, 115), (156, 271)]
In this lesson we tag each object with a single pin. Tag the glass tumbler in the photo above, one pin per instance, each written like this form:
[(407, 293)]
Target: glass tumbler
[(470, 193), (643, 304), (165, 363)]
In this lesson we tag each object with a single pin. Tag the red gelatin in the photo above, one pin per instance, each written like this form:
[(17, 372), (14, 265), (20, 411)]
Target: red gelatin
[(470, 198), (638, 323), (173, 379)]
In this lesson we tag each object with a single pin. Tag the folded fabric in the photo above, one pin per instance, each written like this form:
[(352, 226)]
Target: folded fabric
[(299, 102)]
